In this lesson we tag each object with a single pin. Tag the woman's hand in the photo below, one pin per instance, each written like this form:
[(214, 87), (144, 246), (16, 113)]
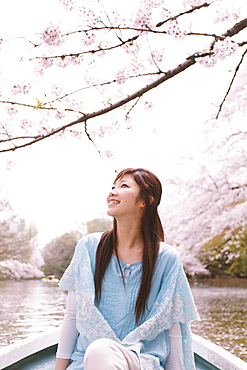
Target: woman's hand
[(61, 364)]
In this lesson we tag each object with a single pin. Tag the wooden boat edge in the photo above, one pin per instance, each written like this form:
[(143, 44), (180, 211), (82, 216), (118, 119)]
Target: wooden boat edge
[(202, 347)]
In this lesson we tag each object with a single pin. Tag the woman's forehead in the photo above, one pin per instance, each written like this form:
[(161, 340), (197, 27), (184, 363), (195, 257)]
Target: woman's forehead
[(126, 177)]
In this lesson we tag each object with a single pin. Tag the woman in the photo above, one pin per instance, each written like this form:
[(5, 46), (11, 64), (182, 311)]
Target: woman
[(129, 303)]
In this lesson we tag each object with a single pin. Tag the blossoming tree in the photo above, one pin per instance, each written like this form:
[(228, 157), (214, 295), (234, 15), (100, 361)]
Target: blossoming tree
[(104, 58), (71, 73)]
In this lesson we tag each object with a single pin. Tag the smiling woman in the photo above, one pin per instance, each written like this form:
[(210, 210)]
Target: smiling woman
[(121, 310)]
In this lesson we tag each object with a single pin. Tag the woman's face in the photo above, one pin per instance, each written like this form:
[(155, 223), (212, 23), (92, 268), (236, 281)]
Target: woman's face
[(124, 198)]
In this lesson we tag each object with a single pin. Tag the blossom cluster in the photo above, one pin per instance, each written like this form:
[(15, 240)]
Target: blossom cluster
[(68, 4), (52, 36), (173, 30), (196, 3), (143, 19), (121, 77), (221, 50), (229, 14), (26, 124), (43, 64), (21, 88), (90, 17), (225, 48), (131, 47), (89, 38)]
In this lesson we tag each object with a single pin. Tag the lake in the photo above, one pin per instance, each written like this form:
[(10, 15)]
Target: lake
[(29, 307)]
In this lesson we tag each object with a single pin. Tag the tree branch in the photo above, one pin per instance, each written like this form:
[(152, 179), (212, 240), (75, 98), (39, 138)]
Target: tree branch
[(231, 83), (181, 14), (236, 28), (85, 117), (191, 60)]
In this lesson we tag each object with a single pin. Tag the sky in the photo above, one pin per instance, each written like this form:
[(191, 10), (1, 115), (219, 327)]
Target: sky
[(58, 184)]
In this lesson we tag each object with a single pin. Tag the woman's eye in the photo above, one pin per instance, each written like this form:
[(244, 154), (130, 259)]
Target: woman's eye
[(124, 185)]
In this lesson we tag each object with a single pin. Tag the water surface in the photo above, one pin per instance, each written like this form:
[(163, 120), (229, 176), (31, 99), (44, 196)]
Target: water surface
[(29, 307)]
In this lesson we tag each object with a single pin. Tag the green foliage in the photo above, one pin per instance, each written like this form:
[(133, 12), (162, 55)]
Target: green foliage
[(227, 254), (17, 240), (58, 253)]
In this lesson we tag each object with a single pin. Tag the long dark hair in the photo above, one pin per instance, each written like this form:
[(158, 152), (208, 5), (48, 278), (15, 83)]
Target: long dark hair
[(152, 232)]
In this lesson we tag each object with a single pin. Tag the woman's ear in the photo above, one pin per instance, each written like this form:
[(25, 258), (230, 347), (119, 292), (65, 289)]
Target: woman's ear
[(151, 199)]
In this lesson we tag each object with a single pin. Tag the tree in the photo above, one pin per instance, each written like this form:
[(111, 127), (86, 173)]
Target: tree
[(227, 254), (99, 224), (120, 60), (17, 240), (19, 257), (136, 50), (58, 253), (206, 207)]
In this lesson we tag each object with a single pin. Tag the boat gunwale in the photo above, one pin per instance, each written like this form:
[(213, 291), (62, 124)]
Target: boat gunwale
[(24, 348)]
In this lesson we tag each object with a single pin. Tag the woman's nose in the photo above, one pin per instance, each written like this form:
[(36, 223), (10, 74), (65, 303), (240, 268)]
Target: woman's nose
[(112, 192)]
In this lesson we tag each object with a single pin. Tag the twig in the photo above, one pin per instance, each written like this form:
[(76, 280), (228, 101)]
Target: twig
[(231, 83), (181, 14)]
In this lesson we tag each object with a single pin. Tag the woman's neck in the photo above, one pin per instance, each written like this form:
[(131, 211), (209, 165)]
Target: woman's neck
[(129, 243)]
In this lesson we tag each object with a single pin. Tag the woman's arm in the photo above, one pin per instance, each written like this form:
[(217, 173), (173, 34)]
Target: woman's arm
[(175, 359), (68, 334)]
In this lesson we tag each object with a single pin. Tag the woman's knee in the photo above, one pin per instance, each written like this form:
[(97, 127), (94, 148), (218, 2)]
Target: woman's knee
[(99, 346)]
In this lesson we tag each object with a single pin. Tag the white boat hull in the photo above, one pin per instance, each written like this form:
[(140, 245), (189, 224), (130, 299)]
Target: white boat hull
[(207, 354)]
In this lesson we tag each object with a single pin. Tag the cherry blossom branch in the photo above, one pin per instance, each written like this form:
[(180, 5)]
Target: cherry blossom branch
[(85, 117), (191, 60), (93, 51)]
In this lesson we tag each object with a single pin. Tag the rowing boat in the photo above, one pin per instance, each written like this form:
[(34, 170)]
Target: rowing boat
[(38, 352)]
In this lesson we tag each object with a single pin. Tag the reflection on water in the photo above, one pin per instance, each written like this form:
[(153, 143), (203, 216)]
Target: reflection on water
[(29, 307), (223, 313)]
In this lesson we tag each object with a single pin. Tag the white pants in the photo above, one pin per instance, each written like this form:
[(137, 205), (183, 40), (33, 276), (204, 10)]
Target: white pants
[(106, 354)]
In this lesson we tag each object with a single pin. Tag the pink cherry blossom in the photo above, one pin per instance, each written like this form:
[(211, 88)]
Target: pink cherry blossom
[(148, 105), (225, 48), (121, 77), (173, 29), (89, 38), (52, 36), (42, 65), (143, 19), (11, 111), (21, 88), (68, 4)]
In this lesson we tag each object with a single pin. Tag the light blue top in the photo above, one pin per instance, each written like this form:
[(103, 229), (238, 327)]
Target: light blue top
[(169, 301)]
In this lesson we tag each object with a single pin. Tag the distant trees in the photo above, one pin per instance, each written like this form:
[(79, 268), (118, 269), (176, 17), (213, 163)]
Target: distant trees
[(98, 224), (58, 253), (17, 240), (206, 210), (17, 245), (227, 254)]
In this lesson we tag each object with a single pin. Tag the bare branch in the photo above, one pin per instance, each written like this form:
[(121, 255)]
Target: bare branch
[(231, 83), (236, 28), (181, 14)]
